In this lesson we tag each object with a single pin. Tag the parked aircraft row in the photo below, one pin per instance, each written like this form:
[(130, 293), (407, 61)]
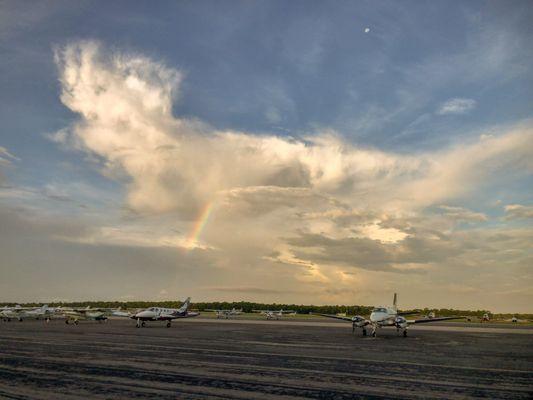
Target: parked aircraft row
[(20, 313), (380, 317)]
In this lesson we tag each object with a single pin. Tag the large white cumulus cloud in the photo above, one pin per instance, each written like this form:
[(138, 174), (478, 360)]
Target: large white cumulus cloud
[(178, 164)]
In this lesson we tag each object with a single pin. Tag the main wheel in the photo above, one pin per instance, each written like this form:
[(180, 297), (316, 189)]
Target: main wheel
[(364, 332), (66, 321), (75, 322), (405, 333), (168, 324), (373, 333), (143, 324)]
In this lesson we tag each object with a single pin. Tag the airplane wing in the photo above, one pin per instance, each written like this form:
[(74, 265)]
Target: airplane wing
[(408, 313), (334, 316), (187, 314), (421, 321)]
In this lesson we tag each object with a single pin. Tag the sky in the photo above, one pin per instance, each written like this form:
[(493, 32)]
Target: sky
[(312, 152)]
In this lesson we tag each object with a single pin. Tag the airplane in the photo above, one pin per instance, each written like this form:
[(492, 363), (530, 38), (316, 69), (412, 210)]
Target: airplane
[(226, 313), (163, 314), (21, 313), (40, 312), (276, 314), (386, 317), (88, 314), (7, 313)]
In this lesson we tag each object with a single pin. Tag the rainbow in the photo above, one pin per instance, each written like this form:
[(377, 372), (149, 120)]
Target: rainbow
[(200, 224)]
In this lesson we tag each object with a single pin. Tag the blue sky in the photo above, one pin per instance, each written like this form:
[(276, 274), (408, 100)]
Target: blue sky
[(354, 102)]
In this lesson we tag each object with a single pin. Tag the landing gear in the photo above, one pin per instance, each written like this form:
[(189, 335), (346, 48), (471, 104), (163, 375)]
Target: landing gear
[(168, 324), (66, 321), (143, 324), (364, 332), (405, 333), (75, 322)]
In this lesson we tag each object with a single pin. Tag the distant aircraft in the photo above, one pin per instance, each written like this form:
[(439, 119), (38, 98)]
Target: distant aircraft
[(276, 314), (7, 313), (44, 312), (21, 313), (486, 318), (163, 314), (386, 317), (87, 314), (226, 313)]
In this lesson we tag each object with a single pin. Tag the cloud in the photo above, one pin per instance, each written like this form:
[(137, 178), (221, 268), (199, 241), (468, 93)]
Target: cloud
[(517, 211), (457, 106), (316, 214), (462, 214), (178, 164), (6, 158)]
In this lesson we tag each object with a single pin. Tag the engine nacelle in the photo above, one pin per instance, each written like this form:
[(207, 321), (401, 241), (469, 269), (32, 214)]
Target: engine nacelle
[(401, 322), (358, 321)]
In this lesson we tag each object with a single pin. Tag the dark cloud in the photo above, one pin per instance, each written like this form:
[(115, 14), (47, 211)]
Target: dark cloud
[(371, 254)]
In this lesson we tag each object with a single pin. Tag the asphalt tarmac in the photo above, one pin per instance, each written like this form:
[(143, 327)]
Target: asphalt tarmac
[(199, 358)]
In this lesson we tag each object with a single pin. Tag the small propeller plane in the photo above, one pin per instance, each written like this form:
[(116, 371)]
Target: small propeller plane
[(276, 314), (381, 317), (163, 314), (88, 314), (226, 313)]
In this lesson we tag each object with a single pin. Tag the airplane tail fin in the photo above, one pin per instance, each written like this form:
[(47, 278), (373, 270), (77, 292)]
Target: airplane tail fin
[(395, 301), (185, 305)]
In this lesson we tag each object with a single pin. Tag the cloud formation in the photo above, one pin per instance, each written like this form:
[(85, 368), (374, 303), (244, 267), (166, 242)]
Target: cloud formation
[(179, 164), (518, 211), (314, 214), (457, 106)]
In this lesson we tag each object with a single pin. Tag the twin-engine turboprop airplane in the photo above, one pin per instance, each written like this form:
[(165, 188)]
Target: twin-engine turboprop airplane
[(226, 313), (381, 317), (163, 314)]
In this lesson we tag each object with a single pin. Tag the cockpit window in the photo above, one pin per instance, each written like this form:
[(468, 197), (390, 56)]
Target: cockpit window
[(151, 309), (382, 310)]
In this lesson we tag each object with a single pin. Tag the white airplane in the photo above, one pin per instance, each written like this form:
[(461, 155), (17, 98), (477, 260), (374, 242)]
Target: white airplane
[(44, 312), (89, 314), (276, 314), (7, 313), (21, 313), (381, 317), (226, 313), (163, 314)]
